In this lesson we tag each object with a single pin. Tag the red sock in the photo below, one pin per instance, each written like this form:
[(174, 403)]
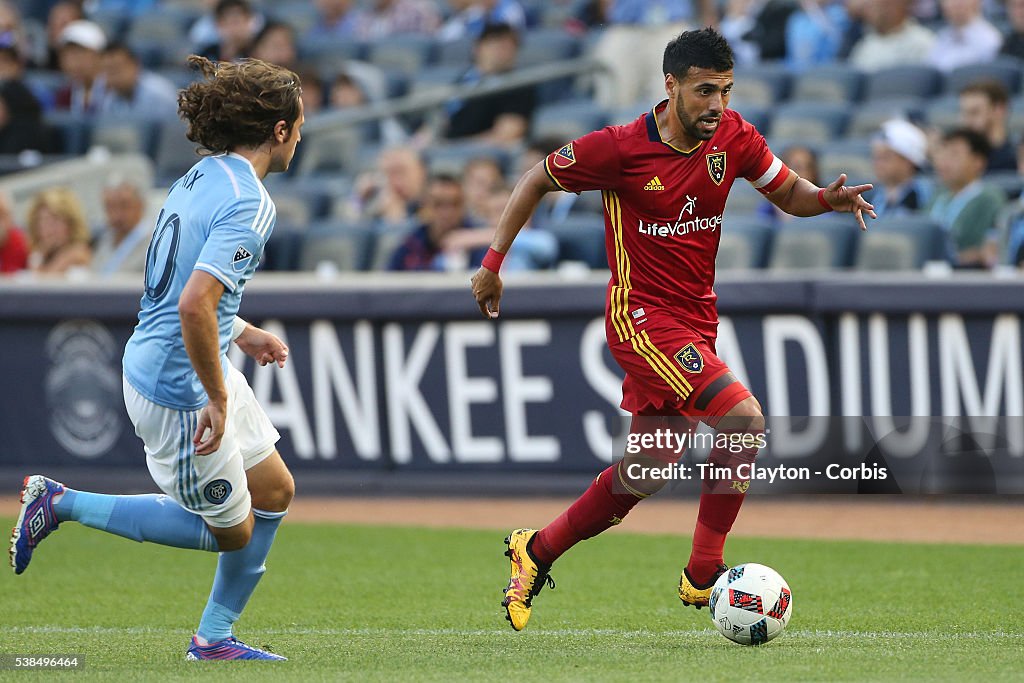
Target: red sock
[(602, 505), (720, 503)]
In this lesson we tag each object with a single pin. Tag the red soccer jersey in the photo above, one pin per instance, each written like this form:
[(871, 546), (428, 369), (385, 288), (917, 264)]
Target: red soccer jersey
[(663, 212)]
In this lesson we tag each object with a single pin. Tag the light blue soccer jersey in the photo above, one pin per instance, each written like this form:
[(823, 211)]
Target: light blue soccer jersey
[(217, 218)]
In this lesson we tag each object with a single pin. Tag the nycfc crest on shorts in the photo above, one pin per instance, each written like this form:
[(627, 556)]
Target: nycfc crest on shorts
[(217, 491), (691, 360)]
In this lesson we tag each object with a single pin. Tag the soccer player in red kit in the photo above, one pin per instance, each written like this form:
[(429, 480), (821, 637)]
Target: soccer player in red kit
[(665, 179)]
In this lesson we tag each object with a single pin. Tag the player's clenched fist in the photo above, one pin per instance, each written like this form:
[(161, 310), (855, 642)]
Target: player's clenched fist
[(487, 292)]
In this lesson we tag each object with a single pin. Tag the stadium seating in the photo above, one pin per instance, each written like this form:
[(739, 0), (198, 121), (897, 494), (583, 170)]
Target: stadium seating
[(568, 120), (745, 243), (762, 85), (581, 238), (868, 117), (808, 123), (902, 81), (1006, 70), (818, 243), (899, 243), (346, 246), (828, 83)]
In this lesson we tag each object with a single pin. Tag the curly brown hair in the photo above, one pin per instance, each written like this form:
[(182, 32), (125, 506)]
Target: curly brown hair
[(237, 104)]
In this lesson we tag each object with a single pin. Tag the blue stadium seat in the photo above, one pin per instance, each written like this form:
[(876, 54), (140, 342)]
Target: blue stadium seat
[(819, 243), (899, 243), (345, 245), (943, 112), (301, 15), (126, 135), (1006, 70), (758, 117), (581, 238), (568, 120), (455, 52), (432, 77), (407, 54), (1010, 182), (763, 84), (545, 45), (73, 131), (828, 83), (745, 243), (328, 54), (452, 157), (175, 153), (159, 37), (851, 156), (809, 122), (868, 117), (902, 81)]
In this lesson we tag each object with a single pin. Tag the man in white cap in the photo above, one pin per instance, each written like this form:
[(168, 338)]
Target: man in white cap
[(80, 53), (899, 152)]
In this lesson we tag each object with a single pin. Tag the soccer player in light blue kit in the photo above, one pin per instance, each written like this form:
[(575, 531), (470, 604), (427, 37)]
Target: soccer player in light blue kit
[(209, 445)]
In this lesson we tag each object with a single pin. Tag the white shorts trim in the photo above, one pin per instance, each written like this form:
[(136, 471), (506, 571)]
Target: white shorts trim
[(213, 486)]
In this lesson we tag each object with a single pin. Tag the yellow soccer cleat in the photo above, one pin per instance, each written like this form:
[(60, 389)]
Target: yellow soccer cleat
[(697, 595), (527, 579)]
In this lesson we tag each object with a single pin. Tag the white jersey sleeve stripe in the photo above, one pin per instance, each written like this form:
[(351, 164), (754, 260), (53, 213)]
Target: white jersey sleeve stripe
[(769, 175), (231, 175), (269, 220), (217, 273), (259, 212)]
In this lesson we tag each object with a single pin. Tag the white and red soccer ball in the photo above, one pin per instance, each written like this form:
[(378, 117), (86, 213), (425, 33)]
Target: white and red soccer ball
[(750, 604)]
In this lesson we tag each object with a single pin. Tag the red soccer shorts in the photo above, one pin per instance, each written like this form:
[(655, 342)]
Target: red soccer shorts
[(672, 370)]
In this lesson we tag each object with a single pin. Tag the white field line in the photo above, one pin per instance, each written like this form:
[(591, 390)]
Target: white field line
[(503, 633)]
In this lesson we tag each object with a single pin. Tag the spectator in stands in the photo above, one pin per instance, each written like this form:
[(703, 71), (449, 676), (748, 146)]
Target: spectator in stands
[(738, 20), (814, 33), (768, 33), (335, 18), (965, 206), (81, 60), (985, 108), (502, 118), (397, 17), (554, 207), (538, 249), (275, 43), (61, 14), (57, 232), (121, 246), (470, 16), (13, 245), (133, 91), (967, 38), (481, 178), (444, 211), (803, 161), (893, 37), (633, 44), (349, 91), (1013, 42), (21, 121), (898, 153), (12, 32), (237, 24), (393, 193), (312, 89)]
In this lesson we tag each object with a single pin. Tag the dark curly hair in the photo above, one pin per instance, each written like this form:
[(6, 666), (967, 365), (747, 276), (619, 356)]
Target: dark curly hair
[(703, 49), (237, 104)]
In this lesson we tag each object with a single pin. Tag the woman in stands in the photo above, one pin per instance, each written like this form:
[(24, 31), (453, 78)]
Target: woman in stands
[(57, 232)]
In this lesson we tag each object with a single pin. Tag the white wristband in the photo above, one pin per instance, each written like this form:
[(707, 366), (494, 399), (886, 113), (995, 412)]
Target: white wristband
[(237, 328)]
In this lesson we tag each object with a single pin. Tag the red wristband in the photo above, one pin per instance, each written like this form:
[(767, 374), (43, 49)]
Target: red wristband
[(492, 260), (821, 200)]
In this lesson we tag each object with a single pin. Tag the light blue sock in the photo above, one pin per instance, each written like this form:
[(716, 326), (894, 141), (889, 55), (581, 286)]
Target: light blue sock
[(151, 517), (238, 572)]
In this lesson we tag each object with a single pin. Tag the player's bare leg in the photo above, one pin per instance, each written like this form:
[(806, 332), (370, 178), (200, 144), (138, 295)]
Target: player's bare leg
[(721, 499), (272, 488)]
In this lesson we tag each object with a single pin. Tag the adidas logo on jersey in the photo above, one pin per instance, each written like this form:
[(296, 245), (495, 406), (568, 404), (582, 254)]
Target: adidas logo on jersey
[(654, 185)]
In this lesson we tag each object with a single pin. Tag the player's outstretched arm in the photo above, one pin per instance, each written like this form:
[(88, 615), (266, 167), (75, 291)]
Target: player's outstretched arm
[(800, 197), (197, 309), (527, 194)]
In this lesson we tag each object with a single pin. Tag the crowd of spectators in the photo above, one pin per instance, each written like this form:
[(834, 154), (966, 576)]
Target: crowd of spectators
[(69, 58)]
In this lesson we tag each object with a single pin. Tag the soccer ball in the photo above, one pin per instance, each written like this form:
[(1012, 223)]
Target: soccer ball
[(750, 604)]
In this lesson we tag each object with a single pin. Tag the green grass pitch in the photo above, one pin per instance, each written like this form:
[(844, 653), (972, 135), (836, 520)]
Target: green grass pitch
[(362, 603)]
